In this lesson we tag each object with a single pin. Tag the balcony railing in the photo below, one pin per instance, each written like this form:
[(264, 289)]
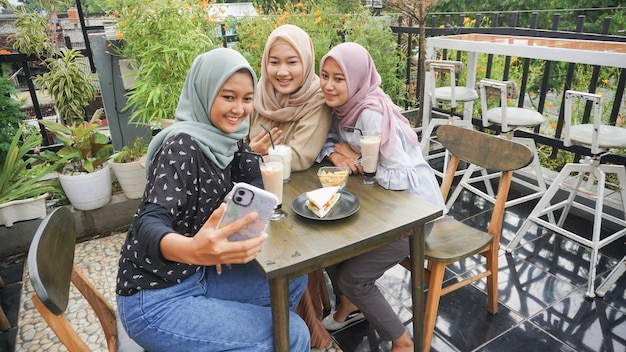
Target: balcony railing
[(542, 83)]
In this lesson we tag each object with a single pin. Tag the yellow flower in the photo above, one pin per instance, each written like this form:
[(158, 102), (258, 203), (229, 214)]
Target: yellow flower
[(120, 35), (226, 26), (317, 20), (317, 12), (298, 5), (549, 105), (203, 4)]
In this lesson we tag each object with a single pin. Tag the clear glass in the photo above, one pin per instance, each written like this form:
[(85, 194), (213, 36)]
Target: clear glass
[(284, 151), (370, 146), (272, 172)]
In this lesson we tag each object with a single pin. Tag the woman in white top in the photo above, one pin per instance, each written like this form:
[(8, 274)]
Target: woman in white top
[(351, 87)]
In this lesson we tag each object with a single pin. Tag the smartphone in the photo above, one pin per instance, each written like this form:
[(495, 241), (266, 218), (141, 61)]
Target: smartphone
[(243, 199)]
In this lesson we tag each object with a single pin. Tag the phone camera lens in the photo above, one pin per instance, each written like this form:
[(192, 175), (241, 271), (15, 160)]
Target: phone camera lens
[(238, 199), (241, 192)]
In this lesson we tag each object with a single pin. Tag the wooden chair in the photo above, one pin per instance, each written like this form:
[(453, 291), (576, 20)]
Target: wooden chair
[(51, 269), (509, 119), (450, 240), (586, 179)]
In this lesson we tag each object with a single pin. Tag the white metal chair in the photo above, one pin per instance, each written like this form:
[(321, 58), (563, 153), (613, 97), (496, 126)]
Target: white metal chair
[(509, 119), (585, 179), (451, 94)]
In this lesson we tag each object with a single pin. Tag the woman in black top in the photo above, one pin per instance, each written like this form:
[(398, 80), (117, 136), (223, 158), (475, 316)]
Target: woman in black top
[(181, 285)]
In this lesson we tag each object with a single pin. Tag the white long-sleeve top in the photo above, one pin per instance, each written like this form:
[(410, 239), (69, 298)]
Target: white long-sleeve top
[(404, 169)]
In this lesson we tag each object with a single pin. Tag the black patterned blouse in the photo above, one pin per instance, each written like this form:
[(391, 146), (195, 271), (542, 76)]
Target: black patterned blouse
[(184, 188)]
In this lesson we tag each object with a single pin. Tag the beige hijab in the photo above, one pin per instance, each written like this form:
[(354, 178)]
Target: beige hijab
[(280, 107)]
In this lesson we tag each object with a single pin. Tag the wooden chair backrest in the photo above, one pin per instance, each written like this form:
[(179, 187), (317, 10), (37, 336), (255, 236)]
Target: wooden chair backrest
[(443, 66), (493, 88), (51, 269), (485, 150), (51, 257)]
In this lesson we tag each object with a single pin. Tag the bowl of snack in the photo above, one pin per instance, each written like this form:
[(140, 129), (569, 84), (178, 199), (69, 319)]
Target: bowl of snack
[(331, 176)]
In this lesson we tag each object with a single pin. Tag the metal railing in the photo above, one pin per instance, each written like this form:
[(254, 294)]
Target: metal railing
[(442, 25), (543, 85)]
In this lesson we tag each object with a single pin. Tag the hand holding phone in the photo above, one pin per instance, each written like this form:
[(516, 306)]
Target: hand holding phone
[(243, 199)]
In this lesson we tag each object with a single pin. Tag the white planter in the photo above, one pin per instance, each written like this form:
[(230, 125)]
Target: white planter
[(132, 178), (88, 191), (25, 209)]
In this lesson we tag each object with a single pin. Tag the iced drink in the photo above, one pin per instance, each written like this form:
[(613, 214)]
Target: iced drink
[(370, 145), (272, 173), (284, 151)]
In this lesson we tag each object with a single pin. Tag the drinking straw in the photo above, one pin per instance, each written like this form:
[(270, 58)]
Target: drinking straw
[(352, 129), (271, 139), (360, 160)]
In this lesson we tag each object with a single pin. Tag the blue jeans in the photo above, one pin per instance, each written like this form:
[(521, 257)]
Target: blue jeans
[(210, 312)]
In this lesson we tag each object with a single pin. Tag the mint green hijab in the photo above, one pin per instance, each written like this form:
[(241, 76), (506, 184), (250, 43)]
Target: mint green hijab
[(208, 73)]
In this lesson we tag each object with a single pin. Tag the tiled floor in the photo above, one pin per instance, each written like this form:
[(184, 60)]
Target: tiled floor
[(541, 293), (542, 286)]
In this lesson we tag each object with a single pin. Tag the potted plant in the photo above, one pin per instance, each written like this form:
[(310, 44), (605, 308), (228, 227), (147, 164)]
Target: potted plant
[(84, 174), (162, 39), (24, 187), (128, 167), (70, 84)]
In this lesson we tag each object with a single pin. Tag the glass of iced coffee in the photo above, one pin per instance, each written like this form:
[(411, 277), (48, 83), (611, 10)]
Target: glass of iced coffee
[(272, 172), (370, 145)]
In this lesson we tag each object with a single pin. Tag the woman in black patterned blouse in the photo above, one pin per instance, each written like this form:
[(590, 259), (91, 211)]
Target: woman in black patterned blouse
[(181, 285)]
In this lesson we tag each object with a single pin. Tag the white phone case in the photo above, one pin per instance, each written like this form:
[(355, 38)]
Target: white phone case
[(243, 199)]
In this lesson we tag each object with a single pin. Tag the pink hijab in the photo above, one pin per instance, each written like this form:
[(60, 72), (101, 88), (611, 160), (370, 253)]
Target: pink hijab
[(289, 107), (364, 92)]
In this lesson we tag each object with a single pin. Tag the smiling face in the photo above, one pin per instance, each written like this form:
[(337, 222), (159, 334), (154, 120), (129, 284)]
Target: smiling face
[(284, 68), (333, 83), (233, 102)]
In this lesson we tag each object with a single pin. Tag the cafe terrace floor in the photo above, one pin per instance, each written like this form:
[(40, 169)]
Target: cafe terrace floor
[(541, 294)]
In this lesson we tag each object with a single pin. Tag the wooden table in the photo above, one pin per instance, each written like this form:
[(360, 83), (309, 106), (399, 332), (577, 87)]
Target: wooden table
[(600, 53), (297, 246)]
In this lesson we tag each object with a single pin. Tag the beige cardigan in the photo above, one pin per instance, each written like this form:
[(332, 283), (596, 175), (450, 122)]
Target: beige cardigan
[(305, 136)]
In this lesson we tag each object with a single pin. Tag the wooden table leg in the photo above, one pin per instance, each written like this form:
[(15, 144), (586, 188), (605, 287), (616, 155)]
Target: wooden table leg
[(4, 322), (279, 291), (416, 243)]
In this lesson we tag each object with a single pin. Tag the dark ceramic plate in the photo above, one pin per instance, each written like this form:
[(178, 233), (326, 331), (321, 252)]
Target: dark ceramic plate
[(347, 205)]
